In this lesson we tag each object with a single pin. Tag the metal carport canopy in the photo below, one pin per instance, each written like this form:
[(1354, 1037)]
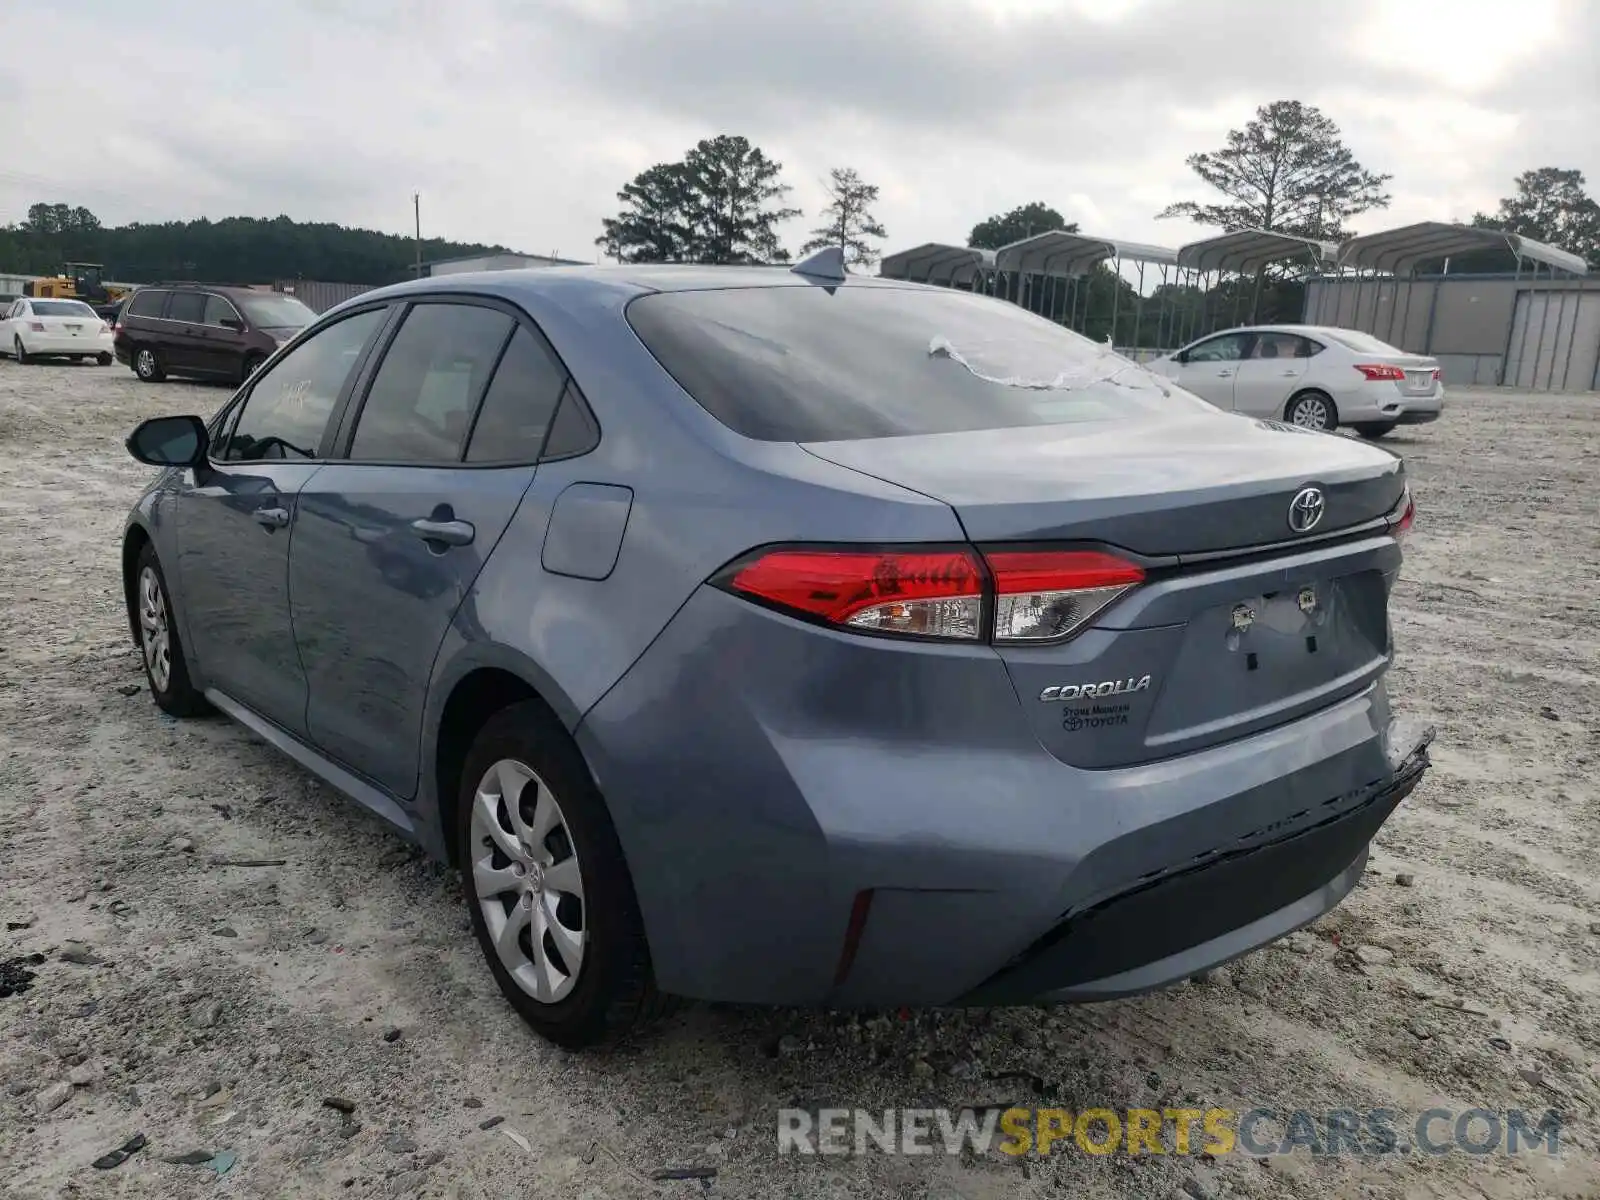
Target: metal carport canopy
[(1397, 250), (1068, 254), (934, 261), (1248, 250)]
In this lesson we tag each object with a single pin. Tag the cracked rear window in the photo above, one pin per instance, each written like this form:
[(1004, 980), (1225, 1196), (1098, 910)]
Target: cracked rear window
[(800, 364)]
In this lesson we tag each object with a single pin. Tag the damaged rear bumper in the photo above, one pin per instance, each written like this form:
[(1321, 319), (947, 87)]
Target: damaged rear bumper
[(1200, 916)]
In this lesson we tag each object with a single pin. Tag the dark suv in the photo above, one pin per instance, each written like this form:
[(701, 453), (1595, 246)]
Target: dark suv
[(208, 331)]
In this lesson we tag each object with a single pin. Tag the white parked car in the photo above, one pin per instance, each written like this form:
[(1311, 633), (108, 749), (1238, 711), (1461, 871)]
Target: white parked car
[(34, 328), (1309, 375)]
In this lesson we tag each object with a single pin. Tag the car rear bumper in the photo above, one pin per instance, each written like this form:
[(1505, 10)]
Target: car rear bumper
[(1419, 411), (1233, 903), (1380, 402), (814, 817), (48, 344)]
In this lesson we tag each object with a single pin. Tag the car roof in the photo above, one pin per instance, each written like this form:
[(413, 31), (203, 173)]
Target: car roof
[(585, 282), (1308, 330)]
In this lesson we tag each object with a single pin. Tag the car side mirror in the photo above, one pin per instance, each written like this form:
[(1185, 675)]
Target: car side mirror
[(1182, 356), (170, 442), (233, 323)]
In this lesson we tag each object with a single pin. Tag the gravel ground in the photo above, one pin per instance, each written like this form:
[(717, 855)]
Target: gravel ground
[(213, 1007)]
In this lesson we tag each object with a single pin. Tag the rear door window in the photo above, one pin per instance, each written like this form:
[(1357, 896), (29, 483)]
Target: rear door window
[(805, 363), (520, 403), (146, 303), (187, 306), (288, 407), (422, 398), (1281, 345)]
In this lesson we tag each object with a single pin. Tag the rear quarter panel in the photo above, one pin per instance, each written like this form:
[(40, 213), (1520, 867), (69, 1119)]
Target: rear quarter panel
[(701, 496)]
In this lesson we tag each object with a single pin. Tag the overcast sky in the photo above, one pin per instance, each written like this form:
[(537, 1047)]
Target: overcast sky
[(518, 120)]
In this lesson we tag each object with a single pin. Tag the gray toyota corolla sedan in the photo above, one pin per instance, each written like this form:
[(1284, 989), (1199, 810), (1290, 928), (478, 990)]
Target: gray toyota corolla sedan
[(769, 636)]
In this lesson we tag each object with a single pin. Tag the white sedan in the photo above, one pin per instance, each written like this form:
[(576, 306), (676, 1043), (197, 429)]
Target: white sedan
[(35, 328), (1309, 375)]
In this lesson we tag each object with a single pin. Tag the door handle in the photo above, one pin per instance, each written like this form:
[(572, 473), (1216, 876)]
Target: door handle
[(451, 533), (272, 518), (1224, 374), (1290, 374)]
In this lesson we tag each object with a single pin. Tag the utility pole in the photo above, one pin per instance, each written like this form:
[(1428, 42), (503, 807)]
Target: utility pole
[(416, 208)]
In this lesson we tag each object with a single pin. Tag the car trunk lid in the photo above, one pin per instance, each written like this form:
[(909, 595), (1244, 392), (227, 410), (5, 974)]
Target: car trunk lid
[(1241, 622), (1173, 485)]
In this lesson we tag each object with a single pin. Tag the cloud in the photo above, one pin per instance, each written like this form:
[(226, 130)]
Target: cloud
[(518, 120)]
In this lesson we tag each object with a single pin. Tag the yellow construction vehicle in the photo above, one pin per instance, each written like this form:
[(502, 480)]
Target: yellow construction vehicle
[(79, 281)]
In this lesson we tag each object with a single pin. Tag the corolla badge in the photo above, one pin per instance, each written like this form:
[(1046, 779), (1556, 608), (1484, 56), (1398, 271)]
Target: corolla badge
[(1306, 509), (1094, 691)]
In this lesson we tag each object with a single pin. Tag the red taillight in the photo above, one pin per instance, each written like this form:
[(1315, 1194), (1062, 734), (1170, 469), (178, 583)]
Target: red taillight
[(1025, 595), (1376, 371), (929, 593), (116, 329), (36, 326), (1437, 375), (1043, 595), (1404, 515)]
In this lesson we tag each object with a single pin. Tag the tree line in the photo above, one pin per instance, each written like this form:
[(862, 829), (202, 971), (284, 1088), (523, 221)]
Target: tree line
[(234, 249)]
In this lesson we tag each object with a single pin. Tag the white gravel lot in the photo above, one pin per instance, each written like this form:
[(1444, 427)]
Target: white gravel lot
[(213, 1007)]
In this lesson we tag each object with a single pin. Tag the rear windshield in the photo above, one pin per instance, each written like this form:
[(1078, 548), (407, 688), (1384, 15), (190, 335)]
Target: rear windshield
[(1362, 343), (61, 308), (805, 364), (268, 310)]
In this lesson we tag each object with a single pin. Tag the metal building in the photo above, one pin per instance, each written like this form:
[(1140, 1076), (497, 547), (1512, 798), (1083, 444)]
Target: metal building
[(1536, 327), (1224, 277), (495, 262), (320, 296), (1074, 279)]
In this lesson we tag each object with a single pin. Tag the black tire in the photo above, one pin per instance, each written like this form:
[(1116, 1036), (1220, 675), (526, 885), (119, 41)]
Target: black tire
[(21, 354), (614, 992), (178, 696), (1375, 429), (252, 363), (1309, 401), (105, 360), (147, 364)]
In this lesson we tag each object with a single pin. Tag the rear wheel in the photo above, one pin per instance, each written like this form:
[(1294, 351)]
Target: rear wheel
[(165, 668), (1312, 410), (1376, 429), (103, 359), (147, 365), (548, 891), (21, 351)]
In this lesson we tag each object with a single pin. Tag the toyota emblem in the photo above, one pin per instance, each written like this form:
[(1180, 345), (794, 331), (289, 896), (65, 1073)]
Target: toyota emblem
[(1305, 510)]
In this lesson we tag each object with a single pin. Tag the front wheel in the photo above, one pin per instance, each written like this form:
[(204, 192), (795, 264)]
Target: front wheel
[(1376, 429), (1312, 410), (147, 365), (165, 667), (252, 364), (548, 891), (103, 359)]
